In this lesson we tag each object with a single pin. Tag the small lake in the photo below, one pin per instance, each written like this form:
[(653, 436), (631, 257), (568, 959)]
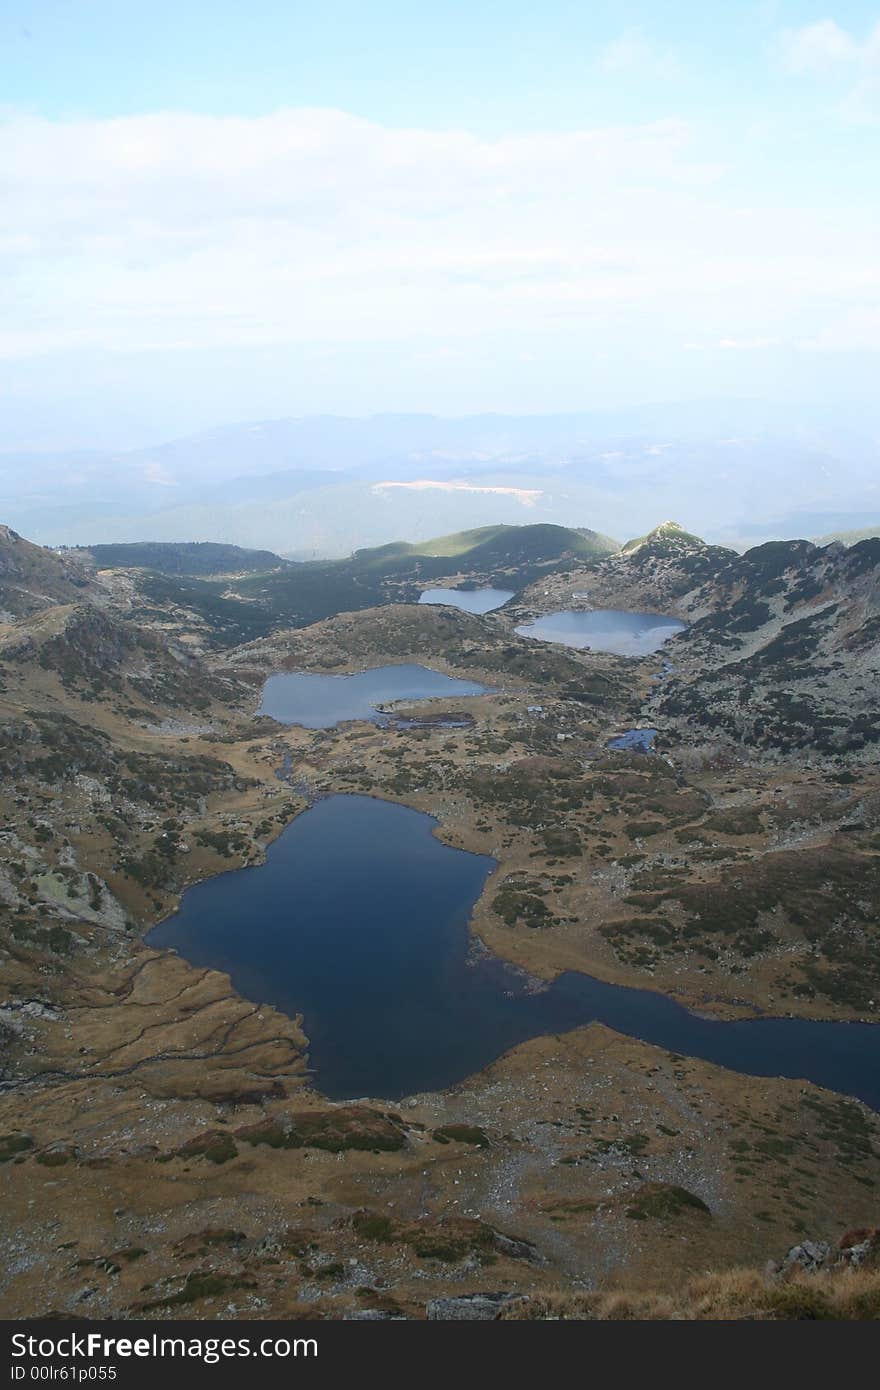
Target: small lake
[(633, 741), (359, 920), (469, 600), (605, 630), (319, 701)]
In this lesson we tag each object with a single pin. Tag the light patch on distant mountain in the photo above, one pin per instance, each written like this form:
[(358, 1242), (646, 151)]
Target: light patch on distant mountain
[(851, 536), (527, 496)]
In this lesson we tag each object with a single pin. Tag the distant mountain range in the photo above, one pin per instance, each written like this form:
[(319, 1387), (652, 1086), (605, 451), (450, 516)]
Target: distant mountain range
[(324, 486)]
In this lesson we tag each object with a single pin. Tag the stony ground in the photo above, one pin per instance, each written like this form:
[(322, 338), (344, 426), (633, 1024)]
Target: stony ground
[(163, 1148)]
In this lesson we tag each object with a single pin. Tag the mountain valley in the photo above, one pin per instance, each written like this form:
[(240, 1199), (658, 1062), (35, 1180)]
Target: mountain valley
[(166, 1146)]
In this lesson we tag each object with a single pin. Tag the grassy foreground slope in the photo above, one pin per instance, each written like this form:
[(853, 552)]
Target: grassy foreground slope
[(842, 1285)]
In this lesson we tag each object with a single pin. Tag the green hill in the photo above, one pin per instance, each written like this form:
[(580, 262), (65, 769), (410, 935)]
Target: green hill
[(496, 545), (305, 592), (184, 557)]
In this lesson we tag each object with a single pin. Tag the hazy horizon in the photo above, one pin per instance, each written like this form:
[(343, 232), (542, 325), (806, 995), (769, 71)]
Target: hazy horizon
[(218, 215), (313, 281), (323, 486)]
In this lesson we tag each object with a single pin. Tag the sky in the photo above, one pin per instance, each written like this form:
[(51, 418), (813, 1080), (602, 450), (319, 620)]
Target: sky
[(220, 211)]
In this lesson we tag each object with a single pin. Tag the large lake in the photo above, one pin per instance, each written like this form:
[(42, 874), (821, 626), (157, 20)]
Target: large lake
[(319, 702), (605, 630), (359, 920), (469, 600)]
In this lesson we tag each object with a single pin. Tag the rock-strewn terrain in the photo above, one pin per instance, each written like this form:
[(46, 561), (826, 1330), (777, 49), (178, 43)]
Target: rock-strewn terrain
[(164, 1148), (782, 652), (657, 574), (783, 655), (32, 578)]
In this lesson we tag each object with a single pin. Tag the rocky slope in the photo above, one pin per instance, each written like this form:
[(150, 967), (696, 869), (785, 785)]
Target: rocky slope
[(656, 574), (782, 655), (165, 1151), (32, 578), (782, 652), (97, 658)]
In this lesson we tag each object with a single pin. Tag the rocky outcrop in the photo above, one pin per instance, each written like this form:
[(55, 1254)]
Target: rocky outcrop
[(467, 1307), (654, 574), (782, 655), (855, 1250)]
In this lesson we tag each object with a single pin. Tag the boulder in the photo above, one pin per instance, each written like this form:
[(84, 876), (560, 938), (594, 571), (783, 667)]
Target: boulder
[(467, 1307)]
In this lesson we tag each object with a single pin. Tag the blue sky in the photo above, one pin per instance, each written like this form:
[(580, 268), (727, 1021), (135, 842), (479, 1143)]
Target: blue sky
[(214, 211), (493, 67)]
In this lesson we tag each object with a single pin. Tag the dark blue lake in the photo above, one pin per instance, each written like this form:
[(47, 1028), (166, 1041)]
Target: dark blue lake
[(358, 920), (469, 600), (318, 701), (605, 630)]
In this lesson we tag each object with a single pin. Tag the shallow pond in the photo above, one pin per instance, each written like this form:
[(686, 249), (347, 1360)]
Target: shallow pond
[(605, 630), (634, 741), (318, 701), (469, 600), (359, 920)]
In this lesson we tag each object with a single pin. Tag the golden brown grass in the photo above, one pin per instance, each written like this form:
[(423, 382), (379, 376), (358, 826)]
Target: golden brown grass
[(842, 1294)]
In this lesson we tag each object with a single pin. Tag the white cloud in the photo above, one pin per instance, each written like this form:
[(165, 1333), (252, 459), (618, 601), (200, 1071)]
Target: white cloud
[(633, 52), (746, 344), (315, 227), (816, 47), (826, 48), (854, 330)]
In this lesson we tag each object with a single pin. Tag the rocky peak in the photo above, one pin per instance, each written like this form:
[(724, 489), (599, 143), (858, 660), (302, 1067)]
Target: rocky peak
[(668, 537)]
